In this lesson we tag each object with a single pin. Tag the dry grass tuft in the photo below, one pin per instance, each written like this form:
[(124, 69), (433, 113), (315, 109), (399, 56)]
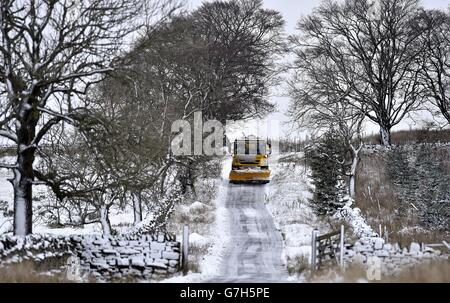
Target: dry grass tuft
[(31, 272), (196, 254), (297, 265)]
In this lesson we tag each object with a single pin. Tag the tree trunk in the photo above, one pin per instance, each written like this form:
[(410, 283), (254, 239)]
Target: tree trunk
[(353, 176), (445, 111), (23, 178), (22, 205), (137, 207), (104, 220), (353, 167), (385, 135)]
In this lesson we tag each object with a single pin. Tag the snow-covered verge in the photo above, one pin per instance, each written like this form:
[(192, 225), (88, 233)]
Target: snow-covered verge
[(219, 237), (287, 200), (209, 245)]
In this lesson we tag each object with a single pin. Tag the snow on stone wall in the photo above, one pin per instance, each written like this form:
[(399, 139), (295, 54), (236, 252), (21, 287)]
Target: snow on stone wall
[(352, 215), (37, 248), (370, 245), (117, 257), (392, 258), (139, 256)]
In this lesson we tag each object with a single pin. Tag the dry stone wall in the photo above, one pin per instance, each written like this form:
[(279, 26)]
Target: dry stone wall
[(119, 257), (122, 257), (370, 247), (392, 257), (36, 248)]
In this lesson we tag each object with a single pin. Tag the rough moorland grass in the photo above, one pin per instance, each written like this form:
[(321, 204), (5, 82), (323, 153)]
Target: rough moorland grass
[(436, 271), (31, 272), (413, 136), (431, 271), (381, 200), (427, 272)]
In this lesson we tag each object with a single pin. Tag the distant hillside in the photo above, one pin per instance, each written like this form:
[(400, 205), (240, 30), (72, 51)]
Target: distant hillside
[(403, 137)]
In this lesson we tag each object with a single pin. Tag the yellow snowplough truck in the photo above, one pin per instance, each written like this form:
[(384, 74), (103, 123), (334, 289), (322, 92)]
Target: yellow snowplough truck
[(250, 161)]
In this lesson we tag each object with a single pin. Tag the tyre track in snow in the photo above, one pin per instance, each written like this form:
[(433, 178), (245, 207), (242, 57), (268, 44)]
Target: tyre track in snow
[(255, 246)]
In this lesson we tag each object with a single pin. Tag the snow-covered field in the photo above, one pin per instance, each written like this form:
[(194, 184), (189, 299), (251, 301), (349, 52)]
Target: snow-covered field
[(120, 219), (6, 201), (287, 200)]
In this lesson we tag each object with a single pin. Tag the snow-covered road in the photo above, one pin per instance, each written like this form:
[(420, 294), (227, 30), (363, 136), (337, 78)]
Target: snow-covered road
[(255, 246)]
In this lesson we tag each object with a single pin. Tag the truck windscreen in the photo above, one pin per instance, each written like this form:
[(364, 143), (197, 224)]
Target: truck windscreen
[(249, 147)]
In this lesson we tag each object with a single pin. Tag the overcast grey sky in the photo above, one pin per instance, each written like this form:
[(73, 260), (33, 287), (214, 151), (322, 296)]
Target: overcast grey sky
[(292, 10)]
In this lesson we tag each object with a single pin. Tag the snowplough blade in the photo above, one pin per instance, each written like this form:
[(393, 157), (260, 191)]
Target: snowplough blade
[(249, 176)]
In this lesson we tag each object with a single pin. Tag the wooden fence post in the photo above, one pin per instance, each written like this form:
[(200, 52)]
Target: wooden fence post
[(341, 255), (185, 249), (313, 249)]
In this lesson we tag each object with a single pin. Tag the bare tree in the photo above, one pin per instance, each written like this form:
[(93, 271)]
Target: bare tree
[(51, 52), (128, 104), (436, 67), (317, 104), (375, 50), (100, 165)]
